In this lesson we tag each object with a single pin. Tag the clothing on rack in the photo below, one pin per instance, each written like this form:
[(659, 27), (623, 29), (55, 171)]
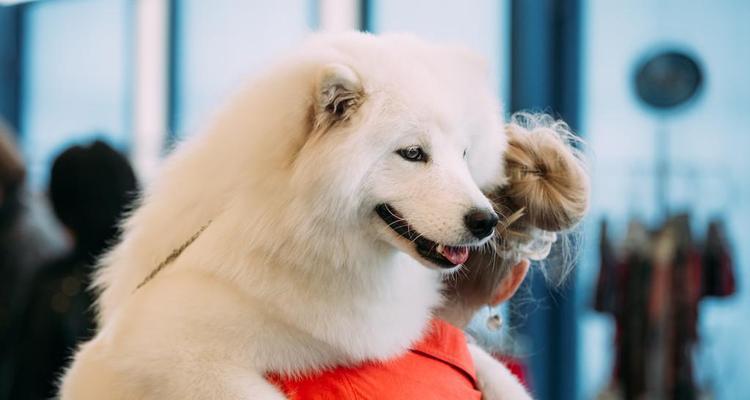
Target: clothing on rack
[(718, 278), (652, 287)]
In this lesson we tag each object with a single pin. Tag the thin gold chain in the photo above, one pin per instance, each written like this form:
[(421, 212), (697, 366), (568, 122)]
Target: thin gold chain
[(172, 256)]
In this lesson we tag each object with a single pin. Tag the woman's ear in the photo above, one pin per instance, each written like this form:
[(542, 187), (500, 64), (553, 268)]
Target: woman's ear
[(509, 285)]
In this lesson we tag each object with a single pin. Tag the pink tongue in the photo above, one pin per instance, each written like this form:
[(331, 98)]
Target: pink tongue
[(456, 255)]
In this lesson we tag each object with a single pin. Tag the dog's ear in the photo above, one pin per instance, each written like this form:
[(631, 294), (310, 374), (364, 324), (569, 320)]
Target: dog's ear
[(339, 93)]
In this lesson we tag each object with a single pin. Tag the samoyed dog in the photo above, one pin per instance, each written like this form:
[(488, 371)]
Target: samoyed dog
[(308, 226)]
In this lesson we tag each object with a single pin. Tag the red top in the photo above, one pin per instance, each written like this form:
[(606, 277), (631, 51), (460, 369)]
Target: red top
[(438, 367)]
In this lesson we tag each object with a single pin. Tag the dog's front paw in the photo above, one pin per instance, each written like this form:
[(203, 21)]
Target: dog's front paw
[(495, 381), (506, 391)]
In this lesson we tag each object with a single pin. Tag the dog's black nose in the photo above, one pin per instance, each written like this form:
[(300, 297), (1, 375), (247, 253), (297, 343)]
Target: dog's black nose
[(480, 222)]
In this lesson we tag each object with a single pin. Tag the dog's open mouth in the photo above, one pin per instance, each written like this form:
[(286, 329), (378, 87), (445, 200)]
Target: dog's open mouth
[(442, 255)]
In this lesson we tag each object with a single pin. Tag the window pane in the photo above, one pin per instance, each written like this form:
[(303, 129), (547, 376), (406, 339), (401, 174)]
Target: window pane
[(221, 42), (75, 79), (482, 27)]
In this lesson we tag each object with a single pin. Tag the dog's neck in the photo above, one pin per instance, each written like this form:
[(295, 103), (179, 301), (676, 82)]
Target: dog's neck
[(344, 287)]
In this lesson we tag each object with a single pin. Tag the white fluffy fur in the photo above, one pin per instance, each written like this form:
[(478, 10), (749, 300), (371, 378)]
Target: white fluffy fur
[(295, 272), (496, 381)]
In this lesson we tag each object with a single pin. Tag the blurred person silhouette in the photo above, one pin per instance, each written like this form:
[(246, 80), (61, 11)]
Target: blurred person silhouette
[(90, 188), (27, 239)]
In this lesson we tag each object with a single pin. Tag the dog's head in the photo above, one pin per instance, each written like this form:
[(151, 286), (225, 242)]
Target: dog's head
[(405, 135)]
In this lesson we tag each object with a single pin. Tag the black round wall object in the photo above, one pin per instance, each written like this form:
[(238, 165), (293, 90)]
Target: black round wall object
[(668, 79)]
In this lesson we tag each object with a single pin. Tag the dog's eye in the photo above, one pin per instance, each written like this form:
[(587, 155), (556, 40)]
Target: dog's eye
[(412, 153)]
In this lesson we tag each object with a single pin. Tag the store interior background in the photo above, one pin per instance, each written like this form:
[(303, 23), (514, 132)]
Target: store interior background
[(143, 74)]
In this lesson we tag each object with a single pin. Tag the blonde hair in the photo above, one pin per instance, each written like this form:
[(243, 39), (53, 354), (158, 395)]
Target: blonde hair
[(547, 191)]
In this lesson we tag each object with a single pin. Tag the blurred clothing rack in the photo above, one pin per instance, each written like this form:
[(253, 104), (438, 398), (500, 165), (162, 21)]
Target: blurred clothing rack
[(652, 284)]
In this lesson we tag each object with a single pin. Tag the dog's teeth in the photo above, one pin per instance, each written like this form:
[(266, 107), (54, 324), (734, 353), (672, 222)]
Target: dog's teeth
[(440, 248)]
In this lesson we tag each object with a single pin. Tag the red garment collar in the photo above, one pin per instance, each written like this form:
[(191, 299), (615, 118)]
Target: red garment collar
[(446, 343)]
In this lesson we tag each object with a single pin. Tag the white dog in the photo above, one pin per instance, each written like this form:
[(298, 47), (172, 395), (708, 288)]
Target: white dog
[(316, 214)]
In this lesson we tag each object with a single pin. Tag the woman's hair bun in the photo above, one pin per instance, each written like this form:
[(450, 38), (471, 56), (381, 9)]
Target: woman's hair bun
[(547, 178)]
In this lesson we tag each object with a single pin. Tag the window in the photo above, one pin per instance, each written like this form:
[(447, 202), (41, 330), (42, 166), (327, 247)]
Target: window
[(220, 43), (483, 27), (75, 77)]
